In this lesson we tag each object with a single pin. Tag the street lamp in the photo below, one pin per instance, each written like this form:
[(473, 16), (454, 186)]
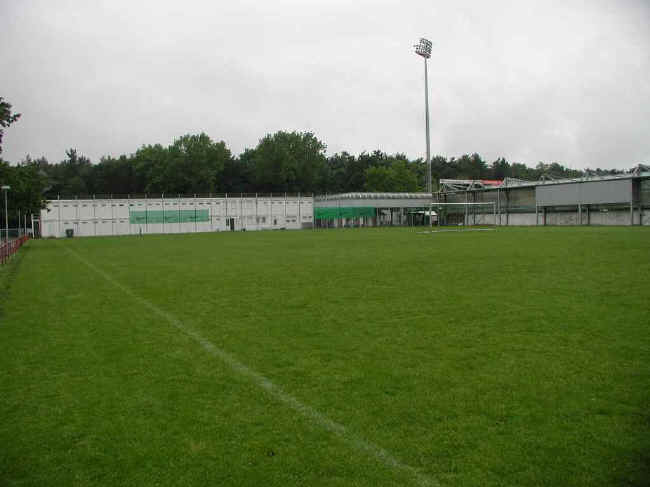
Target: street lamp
[(6, 189), (423, 48)]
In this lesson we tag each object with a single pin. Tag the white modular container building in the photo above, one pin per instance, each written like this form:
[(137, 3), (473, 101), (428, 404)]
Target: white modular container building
[(134, 216)]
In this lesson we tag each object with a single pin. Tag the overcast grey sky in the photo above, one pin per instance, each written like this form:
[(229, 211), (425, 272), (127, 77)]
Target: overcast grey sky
[(565, 81)]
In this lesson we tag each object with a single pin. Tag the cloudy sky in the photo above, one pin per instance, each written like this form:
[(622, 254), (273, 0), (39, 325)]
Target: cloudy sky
[(565, 81)]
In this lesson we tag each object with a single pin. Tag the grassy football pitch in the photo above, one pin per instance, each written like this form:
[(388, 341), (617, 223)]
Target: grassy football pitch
[(336, 358)]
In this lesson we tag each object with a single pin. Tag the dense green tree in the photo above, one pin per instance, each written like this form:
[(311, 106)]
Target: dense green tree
[(399, 176), (28, 182), (334, 175), (238, 174), (113, 173), (554, 170), (500, 169), (520, 171), (70, 177), (355, 174), (148, 164), (6, 118), (379, 178), (419, 168), (404, 175), (288, 162), (471, 167), (194, 165), (281, 162)]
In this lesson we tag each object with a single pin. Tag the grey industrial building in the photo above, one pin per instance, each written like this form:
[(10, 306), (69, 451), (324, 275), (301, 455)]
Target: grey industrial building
[(605, 200)]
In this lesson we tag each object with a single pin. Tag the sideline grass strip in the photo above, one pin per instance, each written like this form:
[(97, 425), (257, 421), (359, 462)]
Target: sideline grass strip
[(8, 273)]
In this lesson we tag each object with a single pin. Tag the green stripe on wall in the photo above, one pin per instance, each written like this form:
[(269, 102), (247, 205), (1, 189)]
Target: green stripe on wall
[(168, 216), (343, 212)]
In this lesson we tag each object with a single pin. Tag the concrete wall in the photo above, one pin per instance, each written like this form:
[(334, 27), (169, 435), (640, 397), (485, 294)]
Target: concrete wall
[(596, 217), (645, 217), (520, 219), (111, 217), (610, 217), (561, 218)]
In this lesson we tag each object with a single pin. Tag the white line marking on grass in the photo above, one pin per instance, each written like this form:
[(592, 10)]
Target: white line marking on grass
[(316, 417)]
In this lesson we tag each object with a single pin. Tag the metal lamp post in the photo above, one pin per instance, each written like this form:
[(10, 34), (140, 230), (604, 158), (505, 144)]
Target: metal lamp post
[(6, 190), (423, 48)]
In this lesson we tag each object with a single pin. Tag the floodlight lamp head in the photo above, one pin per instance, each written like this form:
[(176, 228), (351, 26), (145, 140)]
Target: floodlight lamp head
[(5, 187), (423, 48)]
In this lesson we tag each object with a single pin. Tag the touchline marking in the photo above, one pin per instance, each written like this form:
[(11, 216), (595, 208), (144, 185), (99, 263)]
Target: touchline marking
[(264, 383)]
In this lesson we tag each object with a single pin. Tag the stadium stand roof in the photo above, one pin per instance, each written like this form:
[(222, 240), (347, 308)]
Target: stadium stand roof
[(371, 196)]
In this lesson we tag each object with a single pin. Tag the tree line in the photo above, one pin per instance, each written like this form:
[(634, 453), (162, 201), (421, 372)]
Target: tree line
[(289, 162), (282, 162)]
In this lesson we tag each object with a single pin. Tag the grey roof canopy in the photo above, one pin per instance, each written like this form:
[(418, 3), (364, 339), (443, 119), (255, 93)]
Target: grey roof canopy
[(375, 200), (372, 196)]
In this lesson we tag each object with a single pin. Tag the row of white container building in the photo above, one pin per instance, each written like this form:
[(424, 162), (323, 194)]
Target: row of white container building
[(130, 216)]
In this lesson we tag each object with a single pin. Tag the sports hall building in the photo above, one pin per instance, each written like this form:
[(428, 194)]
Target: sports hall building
[(146, 215)]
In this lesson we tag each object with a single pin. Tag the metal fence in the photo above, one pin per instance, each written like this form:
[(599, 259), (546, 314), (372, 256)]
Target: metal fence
[(14, 233), (10, 247)]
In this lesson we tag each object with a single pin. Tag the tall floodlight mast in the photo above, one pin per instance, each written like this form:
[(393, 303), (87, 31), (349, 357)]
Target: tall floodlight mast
[(423, 48)]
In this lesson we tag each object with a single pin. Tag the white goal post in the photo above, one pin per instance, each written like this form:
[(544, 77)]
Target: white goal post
[(465, 214)]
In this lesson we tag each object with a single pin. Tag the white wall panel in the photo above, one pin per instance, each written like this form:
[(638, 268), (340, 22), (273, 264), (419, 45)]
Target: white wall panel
[(187, 227), (50, 229), (104, 227), (85, 228), (67, 210), (112, 217), (120, 210), (121, 226), (85, 210), (155, 228), (103, 210)]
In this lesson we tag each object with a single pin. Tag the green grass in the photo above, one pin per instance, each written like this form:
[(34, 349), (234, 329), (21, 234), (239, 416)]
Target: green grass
[(516, 357)]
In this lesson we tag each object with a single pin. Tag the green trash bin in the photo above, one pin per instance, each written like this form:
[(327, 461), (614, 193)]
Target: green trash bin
[(69, 232)]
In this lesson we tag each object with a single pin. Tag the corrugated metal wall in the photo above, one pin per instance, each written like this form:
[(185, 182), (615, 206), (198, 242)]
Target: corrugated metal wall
[(587, 193)]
